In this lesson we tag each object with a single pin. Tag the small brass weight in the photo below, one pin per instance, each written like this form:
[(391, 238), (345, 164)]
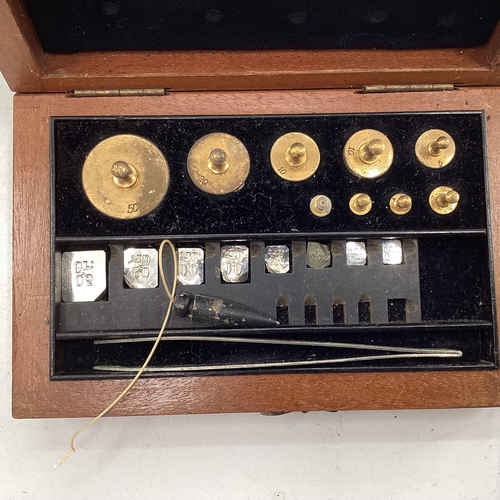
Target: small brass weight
[(218, 163), (400, 204), (435, 148), (360, 204), (320, 205), (125, 176), (295, 157), (443, 200), (368, 154)]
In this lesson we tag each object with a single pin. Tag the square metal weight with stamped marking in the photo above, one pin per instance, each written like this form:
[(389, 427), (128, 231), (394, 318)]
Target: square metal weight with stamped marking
[(140, 267), (83, 275)]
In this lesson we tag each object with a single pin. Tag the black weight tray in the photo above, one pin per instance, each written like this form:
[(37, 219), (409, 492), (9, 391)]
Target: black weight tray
[(446, 273)]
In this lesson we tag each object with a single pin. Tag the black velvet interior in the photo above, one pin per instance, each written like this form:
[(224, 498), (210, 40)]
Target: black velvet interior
[(267, 203), (93, 25)]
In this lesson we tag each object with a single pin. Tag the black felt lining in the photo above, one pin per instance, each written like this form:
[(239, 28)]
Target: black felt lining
[(267, 203), (79, 26)]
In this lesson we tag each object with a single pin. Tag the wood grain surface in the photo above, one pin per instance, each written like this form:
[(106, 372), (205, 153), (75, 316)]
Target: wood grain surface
[(28, 69), (493, 48), (34, 395), (21, 56)]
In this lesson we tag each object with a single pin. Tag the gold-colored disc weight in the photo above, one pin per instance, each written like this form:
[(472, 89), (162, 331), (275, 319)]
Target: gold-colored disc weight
[(444, 200), (435, 148), (368, 154), (360, 204), (295, 157), (125, 176), (400, 204), (218, 163)]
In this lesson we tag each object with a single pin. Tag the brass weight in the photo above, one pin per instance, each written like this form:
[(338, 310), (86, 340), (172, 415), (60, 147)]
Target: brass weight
[(435, 148), (368, 154), (125, 176), (295, 157), (218, 163), (320, 205), (360, 204), (400, 204), (443, 200)]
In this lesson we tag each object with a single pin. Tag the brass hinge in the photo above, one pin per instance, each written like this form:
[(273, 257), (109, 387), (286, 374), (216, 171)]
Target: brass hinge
[(119, 93), (418, 87)]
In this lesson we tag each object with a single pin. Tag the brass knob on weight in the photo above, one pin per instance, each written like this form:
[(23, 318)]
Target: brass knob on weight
[(444, 200), (368, 154), (320, 205), (218, 163), (295, 157), (125, 176), (360, 204), (400, 204), (438, 147), (435, 148)]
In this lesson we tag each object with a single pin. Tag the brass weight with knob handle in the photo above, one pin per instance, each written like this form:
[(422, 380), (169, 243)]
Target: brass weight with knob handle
[(125, 176)]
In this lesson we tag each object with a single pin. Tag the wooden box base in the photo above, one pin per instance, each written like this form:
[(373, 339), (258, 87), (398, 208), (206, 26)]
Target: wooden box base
[(35, 395)]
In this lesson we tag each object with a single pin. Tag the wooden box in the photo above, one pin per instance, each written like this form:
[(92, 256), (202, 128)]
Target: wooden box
[(279, 81)]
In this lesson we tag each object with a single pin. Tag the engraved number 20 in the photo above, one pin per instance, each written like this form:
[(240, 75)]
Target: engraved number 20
[(202, 180)]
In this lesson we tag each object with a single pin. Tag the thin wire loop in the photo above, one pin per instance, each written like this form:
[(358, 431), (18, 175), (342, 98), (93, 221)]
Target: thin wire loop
[(171, 295)]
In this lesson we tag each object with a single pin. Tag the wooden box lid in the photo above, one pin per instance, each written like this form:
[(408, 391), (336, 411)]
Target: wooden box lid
[(29, 67)]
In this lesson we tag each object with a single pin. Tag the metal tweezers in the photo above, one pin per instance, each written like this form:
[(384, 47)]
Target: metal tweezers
[(394, 353)]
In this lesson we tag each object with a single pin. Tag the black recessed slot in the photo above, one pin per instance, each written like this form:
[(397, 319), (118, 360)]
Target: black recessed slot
[(396, 310), (338, 311), (282, 311), (310, 311), (364, 313)]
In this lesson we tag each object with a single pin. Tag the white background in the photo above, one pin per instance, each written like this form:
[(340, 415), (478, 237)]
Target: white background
[(452, 454)]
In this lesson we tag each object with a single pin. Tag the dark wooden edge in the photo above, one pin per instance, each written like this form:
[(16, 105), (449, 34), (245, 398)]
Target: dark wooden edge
[(35, 396), (251, 70), (28, 69), (493, 48), (21, 56)]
